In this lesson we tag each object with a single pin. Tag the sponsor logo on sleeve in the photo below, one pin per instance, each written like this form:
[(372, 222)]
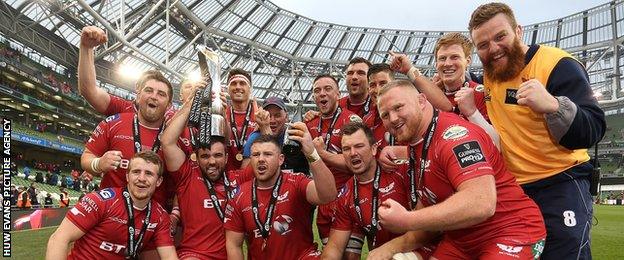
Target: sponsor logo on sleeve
[(112, 118), (88, 205), (106, 194), (468, 154), (343, 191), (454, 132), (98, 131)]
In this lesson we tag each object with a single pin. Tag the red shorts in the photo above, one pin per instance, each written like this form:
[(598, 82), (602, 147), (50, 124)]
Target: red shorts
[(495, 249)]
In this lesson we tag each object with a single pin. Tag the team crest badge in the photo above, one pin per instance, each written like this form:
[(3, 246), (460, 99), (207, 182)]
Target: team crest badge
[(454, 132), (355, 118)]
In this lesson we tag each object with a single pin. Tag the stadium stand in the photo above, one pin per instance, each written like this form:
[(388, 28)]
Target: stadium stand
[(611, 165), (19, 180), (615, 128), (20, 128)]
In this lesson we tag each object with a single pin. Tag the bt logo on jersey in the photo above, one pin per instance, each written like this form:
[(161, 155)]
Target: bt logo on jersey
[(110, 247), (208, 203)]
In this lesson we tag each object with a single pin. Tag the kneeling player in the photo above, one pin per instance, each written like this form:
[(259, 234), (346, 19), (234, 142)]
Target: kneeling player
[(117, 223)]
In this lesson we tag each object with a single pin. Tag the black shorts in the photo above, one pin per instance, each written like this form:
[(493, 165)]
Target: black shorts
[(566, 205)]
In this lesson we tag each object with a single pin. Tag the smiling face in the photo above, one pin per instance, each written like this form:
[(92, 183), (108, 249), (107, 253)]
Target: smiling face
[(451, 65), (153, 100), (266, 159), (143, 178), (357, 81), (401, 111), (239, 88), (499, 48), (326, 95), (212, 161)]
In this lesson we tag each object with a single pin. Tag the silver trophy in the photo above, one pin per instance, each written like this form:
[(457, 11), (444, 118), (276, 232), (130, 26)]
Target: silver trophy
[(208, 114)]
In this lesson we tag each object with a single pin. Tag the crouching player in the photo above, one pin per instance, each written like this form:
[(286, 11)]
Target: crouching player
[(118, 223)]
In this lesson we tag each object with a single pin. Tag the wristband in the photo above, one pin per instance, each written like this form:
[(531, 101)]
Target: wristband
[(176, 212), (94, 165), (413, 73), (313, 157)]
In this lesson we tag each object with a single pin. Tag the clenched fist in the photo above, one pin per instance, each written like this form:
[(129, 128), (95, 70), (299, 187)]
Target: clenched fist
[(465, 100), (534, 95), (110, 161), (392, 216), (92, 37), (400, 63)]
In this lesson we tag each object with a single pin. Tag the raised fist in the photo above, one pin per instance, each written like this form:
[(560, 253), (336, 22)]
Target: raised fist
[(92, 37)]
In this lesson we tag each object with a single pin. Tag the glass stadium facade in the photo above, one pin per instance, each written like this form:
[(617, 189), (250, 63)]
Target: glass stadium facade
[(284, 50)]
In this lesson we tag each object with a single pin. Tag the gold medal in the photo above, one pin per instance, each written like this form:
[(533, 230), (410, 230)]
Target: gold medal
[(239, 157)]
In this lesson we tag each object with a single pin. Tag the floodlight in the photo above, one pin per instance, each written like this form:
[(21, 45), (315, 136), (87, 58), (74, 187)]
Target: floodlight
[(129, 71), (28, 84), (194, 75)]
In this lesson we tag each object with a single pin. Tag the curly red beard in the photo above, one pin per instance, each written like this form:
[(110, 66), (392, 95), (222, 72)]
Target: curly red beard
[(515, 63)]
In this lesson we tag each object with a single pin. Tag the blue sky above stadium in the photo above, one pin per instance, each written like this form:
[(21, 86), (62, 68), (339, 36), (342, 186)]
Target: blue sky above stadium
[(426, 15)]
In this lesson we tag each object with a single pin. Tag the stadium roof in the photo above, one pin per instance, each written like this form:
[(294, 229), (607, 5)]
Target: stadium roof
[(283, 50)]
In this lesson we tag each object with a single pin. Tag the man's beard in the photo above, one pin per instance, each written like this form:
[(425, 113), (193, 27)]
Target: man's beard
[(213, 177), (152, 116), (515, 64)]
